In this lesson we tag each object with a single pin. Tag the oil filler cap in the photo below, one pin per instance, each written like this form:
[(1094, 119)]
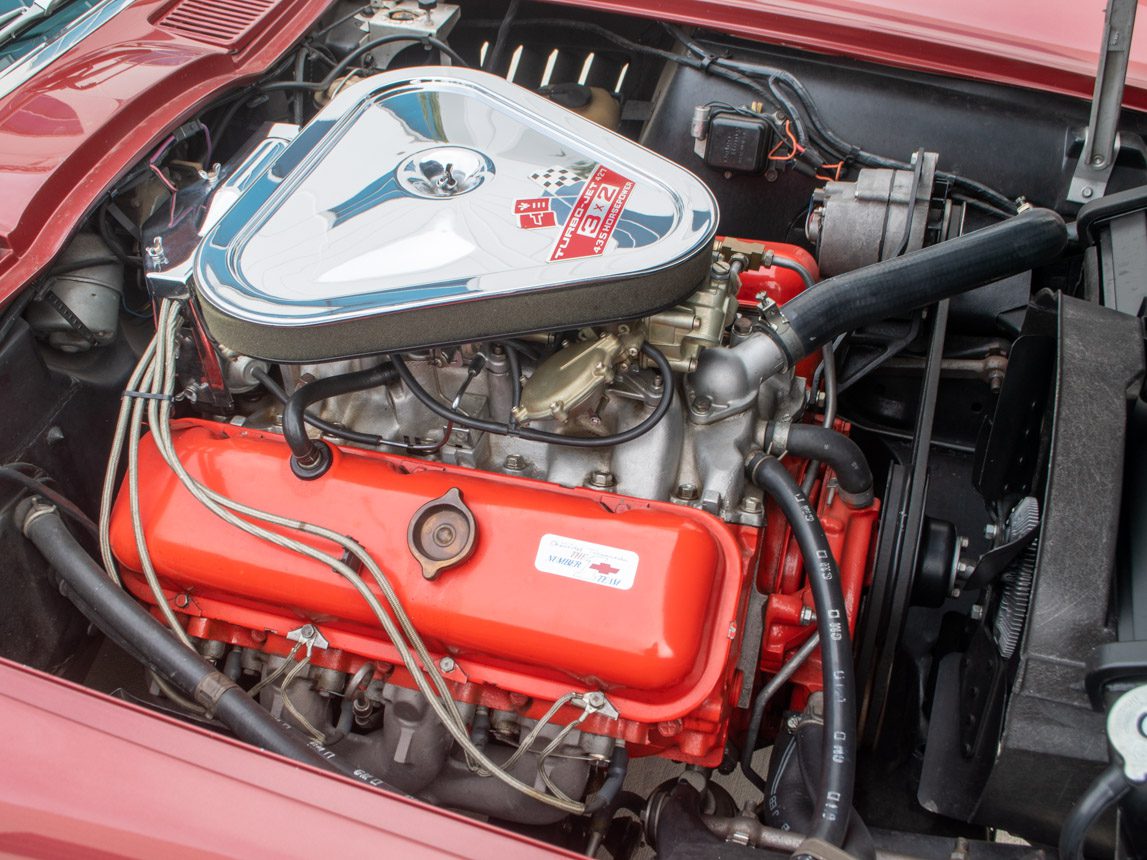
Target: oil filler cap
[(441, 533)]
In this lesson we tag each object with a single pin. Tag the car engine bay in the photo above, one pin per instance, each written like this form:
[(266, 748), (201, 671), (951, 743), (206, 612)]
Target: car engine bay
[(491, 402)]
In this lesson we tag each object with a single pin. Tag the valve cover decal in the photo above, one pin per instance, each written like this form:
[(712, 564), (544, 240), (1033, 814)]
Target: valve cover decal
[(594, 216), (589, 562)]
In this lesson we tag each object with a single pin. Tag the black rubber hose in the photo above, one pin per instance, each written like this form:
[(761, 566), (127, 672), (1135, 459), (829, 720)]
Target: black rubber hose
[(679, 831), (838, 771), (298, 105), (827, 369), (36, 485), (369, 439), (129, 624), (1106, 790), (494, 58), (644, 426), (310, 458), (365, 48), (345, 723), (679, 827), (814, 442), (920, 278), (790, 794), (514, 360), (605, 796), (782, 262)]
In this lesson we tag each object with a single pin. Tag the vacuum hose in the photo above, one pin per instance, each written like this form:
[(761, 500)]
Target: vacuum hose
[(838, 770), (310, 458), (137, 632)]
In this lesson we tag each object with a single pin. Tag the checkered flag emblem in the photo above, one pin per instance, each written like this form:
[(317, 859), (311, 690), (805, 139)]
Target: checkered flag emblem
[(555, 177)]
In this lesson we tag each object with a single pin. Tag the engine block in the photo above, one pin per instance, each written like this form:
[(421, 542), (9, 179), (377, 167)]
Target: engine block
[(641, 600)]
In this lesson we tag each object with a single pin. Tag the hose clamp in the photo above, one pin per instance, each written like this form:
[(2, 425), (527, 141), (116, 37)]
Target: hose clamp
[(856, 501), (777, 438), (211, 689), (35, 509), (776, 325), (818, 849)]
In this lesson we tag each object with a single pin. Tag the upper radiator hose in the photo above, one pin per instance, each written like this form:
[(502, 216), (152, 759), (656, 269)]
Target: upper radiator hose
[(922, 277), (729, 378)]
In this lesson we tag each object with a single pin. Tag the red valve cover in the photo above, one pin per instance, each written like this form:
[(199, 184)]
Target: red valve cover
[(565, 588)]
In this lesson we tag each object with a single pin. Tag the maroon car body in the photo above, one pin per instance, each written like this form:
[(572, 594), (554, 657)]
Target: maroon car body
[(88, 775)]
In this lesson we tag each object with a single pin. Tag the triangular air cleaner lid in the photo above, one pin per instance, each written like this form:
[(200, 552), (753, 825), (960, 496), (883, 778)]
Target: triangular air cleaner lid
[(439, 205)]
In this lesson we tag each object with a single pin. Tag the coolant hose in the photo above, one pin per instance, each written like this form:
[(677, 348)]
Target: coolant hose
[(1105, 791), (838, 771), (872, 293), (679, 831), (790, 801), (813, 442), (729, 379), (310, 458), (131, 626)]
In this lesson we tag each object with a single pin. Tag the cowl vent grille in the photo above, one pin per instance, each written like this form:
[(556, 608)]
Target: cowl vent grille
[(226, 23)]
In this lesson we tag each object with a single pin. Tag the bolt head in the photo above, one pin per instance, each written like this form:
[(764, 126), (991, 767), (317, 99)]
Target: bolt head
[(1087, 191), (447, 664), (751, 505), (701, 405), (602, 478), (991, 530), (688, 492), (670, 728)]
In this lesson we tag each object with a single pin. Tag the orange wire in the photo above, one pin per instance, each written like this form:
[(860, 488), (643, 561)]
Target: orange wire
[(838, 166), (795, 148)]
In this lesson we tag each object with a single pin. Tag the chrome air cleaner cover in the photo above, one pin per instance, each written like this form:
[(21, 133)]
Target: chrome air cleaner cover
[(438, 205)]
